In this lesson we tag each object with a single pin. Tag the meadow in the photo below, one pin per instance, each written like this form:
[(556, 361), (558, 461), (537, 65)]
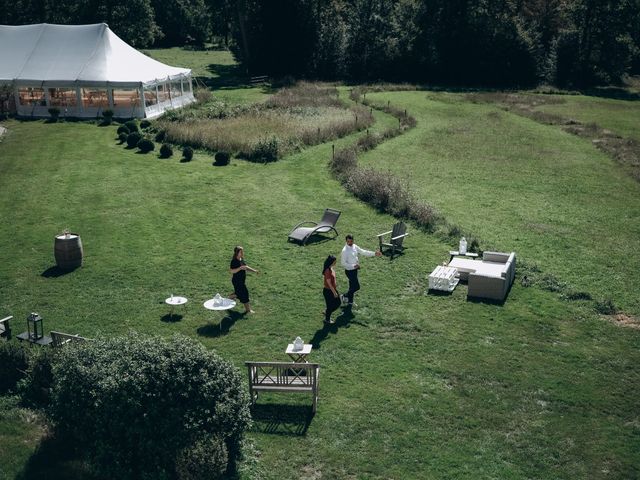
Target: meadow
[(413, 385)]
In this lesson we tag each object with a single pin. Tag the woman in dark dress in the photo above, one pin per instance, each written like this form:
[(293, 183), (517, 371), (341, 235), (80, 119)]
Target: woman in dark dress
[(238, 269), (330, 292)]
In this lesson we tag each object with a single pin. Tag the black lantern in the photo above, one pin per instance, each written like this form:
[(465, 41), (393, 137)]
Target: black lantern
[(35, 329)]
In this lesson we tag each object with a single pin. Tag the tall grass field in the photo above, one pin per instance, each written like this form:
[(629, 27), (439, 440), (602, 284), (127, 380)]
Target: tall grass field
[(412, 385)]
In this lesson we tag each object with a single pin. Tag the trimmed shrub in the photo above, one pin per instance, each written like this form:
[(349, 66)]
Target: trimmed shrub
[(265, 150), (14, 361), (161, 136), (222, 158), (133, 138), (206, 459), (145, 124), (132, 125), (55, 113), (187, 153), (165, 150), (138, 403), (123, 129), (123, 137), (145, 145), (107, 117)]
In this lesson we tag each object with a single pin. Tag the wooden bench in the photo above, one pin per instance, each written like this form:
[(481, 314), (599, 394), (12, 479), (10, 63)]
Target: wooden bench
[(283, 377), (5, 328), (258, 80), (60, 338)]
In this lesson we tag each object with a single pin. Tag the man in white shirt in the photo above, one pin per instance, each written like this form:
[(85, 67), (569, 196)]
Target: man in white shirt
[(351, 264)]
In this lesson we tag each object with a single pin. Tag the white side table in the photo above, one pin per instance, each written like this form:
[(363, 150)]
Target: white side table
[(299, 356), (173, 301), (220, 305)]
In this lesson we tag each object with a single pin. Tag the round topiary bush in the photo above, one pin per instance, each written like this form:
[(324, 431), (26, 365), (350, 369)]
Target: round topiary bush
[(123, 137), (145, 145), (205, 459), (222, 158), (187, 153), (161, 135), (133, 138), (165, 150), (136, 404), (145, 124), (132, 125), (107, 117), (123, 129), (55, 113)]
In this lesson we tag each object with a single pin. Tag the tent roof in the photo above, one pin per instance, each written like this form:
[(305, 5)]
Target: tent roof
[(87, 54)]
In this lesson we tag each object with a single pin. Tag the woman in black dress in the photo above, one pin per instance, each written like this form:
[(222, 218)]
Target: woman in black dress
[(238, 269)]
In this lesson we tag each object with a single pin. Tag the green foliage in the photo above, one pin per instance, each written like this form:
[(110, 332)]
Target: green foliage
[(145, 145), (134, 402), (166, 150), (161, 136), (187, 153), (265, 150), (55, 113), (132, 125), (606, 307), (123, 137), (144, 124), (222, 158), (206, 459), (581, 42), (14, 361), (133, 139), (35, 388), (107, 117), (123, 129)]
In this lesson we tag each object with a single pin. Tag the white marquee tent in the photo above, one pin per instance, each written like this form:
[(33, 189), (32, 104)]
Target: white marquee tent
[(85, 69)]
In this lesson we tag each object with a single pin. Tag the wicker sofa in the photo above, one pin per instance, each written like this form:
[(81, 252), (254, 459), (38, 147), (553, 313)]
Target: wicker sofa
[(488, 278)]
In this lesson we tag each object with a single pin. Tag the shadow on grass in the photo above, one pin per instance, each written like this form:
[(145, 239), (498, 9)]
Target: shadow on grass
[(171, 318), (282, 419), (55, 460), (55, 271), (615, 93), (212, 331), (343, 320), (315, 239)]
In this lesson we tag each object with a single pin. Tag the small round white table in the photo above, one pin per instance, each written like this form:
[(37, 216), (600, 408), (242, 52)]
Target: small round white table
[(173, 301), (220, 306)]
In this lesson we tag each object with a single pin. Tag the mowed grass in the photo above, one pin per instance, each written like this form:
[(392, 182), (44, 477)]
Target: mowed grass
[(412, 385), (619, 116), (552, 197)]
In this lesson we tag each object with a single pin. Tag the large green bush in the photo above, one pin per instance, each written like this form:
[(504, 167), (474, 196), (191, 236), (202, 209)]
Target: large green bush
[(14, 361), (35, 387), (136, 404)]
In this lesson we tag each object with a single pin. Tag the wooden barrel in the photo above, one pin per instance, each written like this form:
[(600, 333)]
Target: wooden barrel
[(68, 251)]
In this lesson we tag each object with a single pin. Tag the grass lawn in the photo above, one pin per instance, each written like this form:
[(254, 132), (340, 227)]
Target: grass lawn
[(412, 385), (619, 116), (519, 185)]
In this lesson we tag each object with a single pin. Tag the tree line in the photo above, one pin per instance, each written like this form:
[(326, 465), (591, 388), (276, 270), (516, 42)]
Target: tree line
[(569, 43)]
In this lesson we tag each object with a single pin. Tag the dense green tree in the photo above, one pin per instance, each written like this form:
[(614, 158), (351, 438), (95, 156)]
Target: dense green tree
[(183, 22)]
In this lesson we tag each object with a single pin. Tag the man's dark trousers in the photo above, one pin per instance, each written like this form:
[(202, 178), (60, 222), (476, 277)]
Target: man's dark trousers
[(354, 284)]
